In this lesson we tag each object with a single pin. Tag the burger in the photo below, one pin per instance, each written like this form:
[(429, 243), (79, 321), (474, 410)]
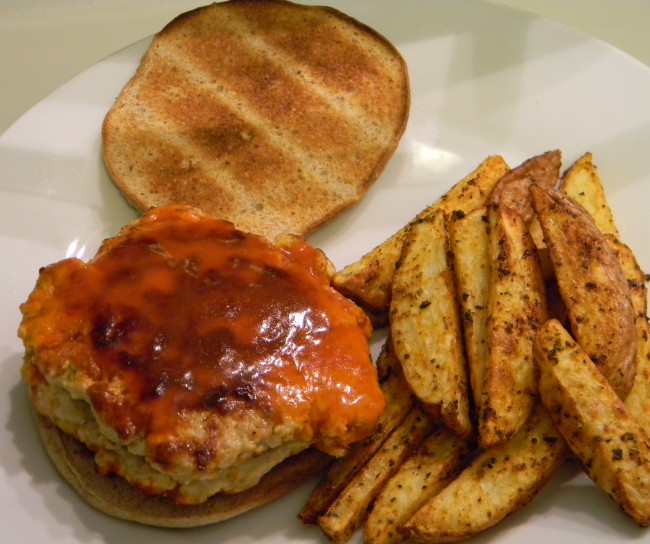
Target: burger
[(191, 371)]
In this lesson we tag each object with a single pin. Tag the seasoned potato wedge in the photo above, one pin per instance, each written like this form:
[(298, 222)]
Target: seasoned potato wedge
[(512, 189), (612, 447), (491, 272), (399, 402), (638, 400), (350, 508), (517, 306), (592, 285), (633, 274), (368, 281), (498, 482), (469, 244), (582, 183), (436, 462), (425, 325)]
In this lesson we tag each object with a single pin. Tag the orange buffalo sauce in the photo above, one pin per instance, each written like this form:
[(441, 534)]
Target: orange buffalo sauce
[(187, 314)]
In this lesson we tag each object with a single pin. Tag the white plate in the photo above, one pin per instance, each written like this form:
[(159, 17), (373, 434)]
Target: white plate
[(485, 80)]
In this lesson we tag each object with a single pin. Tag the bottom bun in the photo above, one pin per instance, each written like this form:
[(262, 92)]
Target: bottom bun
[(116, 497)]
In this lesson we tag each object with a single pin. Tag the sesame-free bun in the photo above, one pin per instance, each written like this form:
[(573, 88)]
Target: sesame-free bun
[(273, 115), (115, 497)]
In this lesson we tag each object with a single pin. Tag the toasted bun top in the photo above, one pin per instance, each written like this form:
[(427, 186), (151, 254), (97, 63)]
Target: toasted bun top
[(273, 115), (115, 497)]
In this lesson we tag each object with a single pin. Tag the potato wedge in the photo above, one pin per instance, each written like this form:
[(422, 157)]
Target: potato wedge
[(425, 325), (436, 462), (399, 402), (517, 306), (582, 183), (612, 447), (638, 400), (633, 274), (498, 482), (350, 508), (512, 189), (592, 285), (469, 244), (368, 281)]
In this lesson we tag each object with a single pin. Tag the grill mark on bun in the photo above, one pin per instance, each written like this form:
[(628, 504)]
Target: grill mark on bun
[(337, 74), (233, 123), (279, 116), (162, 170), (273, 115)]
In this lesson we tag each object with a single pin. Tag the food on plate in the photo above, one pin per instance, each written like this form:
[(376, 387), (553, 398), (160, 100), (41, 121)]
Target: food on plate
[(350, 508), (436, 462), (516, 306), (592, 285), (582, 183), (611, 445), (368, 281), (512, 188), (425, 324), (273, 115), (469, 245), (399, 402), (500, 481), (192, 358), (116, 497), (633, 274), (638, 399), (479, 292)]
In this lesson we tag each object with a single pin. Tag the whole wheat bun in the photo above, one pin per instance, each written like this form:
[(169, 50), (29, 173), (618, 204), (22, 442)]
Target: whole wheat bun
[(273, 115), (115, 497)]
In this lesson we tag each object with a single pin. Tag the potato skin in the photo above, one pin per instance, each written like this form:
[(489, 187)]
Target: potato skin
[(611, 445), (592, 284), (512, 189)]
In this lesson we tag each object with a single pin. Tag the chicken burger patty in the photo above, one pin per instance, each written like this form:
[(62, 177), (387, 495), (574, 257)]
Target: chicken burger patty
[(191, 357)]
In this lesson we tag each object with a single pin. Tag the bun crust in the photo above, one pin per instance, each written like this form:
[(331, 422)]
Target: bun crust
[(273, 115), (115, 497)]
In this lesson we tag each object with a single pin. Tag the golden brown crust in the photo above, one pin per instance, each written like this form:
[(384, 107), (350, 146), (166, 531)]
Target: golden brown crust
[(592, 284), (115, 497), (272, 115), (513, 188), (368, 280)]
